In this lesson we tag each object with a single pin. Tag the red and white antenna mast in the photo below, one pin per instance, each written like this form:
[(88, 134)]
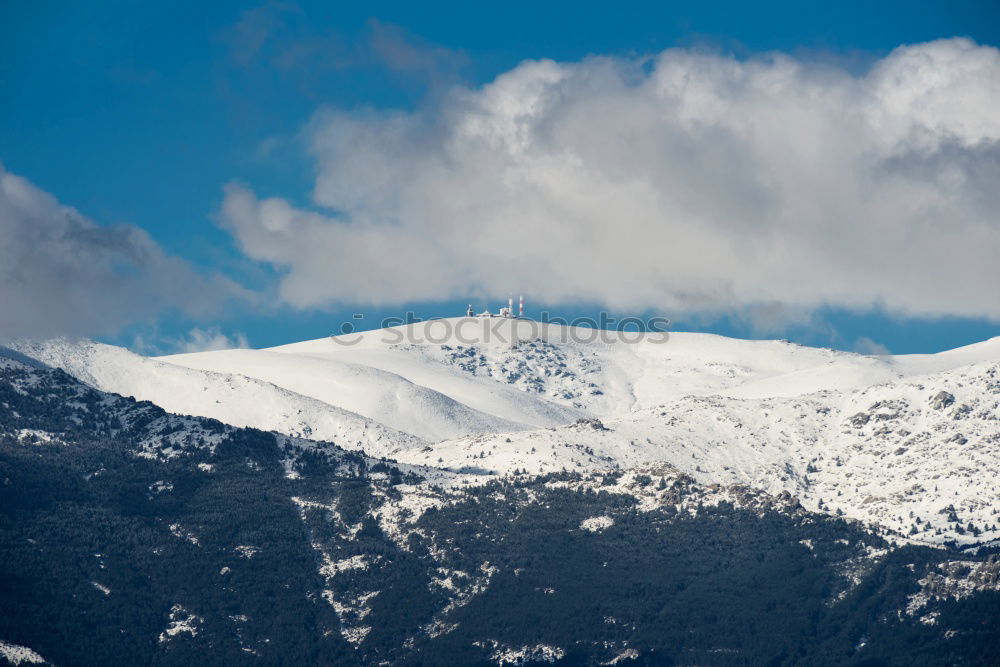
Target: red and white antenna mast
[(521, 306)]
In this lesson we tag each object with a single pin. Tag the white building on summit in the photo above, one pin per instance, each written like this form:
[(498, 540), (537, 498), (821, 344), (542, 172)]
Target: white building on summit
[(505, 311)]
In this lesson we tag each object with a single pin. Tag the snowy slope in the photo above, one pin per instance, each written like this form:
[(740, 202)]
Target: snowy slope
[(911, 443), (595, 377), (919, 456), (231, 398), (385, 396)]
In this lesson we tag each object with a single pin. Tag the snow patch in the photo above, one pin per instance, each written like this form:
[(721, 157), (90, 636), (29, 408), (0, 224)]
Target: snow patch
[(177, 530), (330, 568), (16, 654), (596, 524), (627, 654), (181, 622), (509, 655), (246, 551)]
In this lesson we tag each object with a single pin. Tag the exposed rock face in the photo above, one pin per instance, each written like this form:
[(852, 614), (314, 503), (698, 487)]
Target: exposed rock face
[(942, 400), (956, 579)]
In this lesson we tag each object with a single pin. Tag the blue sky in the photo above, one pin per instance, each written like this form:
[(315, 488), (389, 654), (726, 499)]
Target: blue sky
[(139, 114)]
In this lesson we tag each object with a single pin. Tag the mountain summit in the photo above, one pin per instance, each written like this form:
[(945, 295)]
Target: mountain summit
[(410, 499), (892, 440)]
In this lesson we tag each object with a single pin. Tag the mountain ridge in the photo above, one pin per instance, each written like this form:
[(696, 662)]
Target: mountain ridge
[(176, 539), (849, 434)]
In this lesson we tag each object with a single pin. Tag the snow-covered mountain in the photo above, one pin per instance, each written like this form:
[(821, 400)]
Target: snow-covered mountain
[(130, 535), (908, 443), (229, 397)]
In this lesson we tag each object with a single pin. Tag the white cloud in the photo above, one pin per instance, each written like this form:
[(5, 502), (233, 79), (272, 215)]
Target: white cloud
[(209, 340), (865, 345), (62, 274), (687, 181), (153, 343)]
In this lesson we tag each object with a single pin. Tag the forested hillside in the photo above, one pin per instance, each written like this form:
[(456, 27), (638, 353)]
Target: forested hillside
[(131, 536)]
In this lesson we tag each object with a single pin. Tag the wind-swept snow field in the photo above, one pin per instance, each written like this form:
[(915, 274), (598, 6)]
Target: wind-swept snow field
[(908, 443)]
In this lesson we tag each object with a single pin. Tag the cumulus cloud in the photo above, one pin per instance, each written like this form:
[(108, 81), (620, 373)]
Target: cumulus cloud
[(62, 274), (154, 343), (685, 181), (209, 340), (865, 345)]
